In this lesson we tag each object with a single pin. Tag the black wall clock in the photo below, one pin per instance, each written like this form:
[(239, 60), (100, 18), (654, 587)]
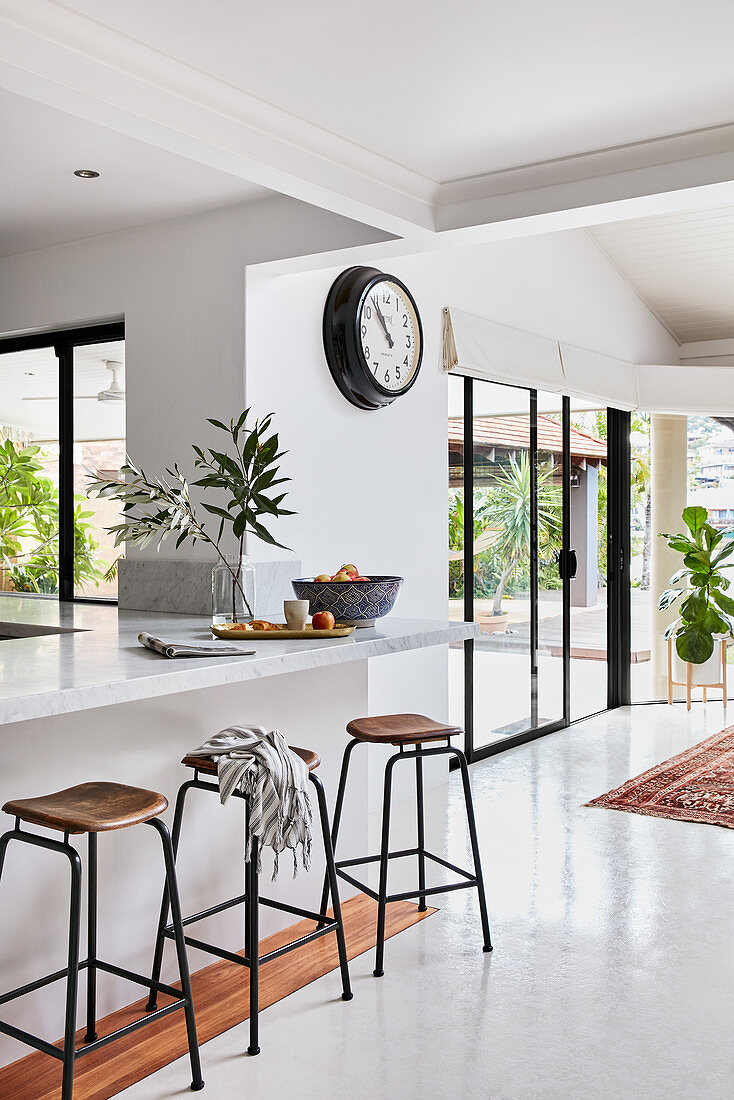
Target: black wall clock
[(372, 337)]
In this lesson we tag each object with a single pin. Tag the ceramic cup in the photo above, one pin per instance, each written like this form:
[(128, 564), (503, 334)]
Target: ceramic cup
[(296, 613)]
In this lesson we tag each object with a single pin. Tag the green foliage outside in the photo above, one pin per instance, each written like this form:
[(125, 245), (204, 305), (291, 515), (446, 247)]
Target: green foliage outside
[(504, 508), (29, 513)]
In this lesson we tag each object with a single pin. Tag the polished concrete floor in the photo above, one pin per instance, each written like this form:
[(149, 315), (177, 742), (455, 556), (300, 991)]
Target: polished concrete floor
[(613, 968)]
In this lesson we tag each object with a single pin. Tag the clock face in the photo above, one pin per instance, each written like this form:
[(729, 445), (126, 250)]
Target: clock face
[(389, 336), (373, 339)]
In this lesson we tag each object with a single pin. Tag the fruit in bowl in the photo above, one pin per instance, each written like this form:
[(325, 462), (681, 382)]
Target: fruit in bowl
[(352, 599)]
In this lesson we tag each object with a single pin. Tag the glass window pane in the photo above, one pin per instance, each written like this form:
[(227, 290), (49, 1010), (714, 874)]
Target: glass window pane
[(502, 670), (550, 542), (29, 468), (588, 522), (99, 445)]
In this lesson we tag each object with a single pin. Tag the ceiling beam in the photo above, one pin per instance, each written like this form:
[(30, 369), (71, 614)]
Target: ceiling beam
[(76, 64)]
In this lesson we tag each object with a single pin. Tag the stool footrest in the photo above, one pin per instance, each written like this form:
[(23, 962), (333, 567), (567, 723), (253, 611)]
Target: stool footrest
[(109, 968), (30, 1040), (406, 895), (39, 983), (133, 1026), (327, 924), (139, 979)]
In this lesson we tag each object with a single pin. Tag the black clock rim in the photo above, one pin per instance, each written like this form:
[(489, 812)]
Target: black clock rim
[(383, 277), (342, 343)]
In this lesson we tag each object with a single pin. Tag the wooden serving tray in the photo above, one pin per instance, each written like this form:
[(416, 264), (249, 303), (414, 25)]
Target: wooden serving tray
[(283, 633)]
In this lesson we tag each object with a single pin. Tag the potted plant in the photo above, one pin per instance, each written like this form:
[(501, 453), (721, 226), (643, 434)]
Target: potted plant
[(244, 477), (706, 613)]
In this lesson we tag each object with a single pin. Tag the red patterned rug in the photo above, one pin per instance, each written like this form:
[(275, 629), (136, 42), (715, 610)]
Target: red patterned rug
[(696, 785)]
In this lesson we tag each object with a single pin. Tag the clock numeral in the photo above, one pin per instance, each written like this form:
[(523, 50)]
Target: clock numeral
[(368, 312), (397, 373), (407, 341), (375, 365), (405, 320), (405, 361), (386, 298), (366, 353), (364, 330), (387, 377)]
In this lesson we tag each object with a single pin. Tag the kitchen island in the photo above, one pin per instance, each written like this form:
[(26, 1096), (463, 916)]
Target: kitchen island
[(91, 703)]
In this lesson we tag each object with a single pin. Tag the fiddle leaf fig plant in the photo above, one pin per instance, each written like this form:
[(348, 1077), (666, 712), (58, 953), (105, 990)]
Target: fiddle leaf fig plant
[(245, 474), (700, 584)]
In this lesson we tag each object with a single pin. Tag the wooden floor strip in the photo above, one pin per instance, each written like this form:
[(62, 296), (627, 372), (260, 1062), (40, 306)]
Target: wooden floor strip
[(220, 1002)]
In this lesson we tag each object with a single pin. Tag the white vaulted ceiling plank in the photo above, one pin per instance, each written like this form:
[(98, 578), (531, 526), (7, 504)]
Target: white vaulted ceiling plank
[(682, 265)]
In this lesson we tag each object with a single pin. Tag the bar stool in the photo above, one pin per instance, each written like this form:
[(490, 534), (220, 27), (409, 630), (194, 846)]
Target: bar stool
[(251, 899), (94, 808), (402, 730)]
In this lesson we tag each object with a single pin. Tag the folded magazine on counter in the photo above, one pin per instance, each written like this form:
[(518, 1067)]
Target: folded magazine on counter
[(185, 649)]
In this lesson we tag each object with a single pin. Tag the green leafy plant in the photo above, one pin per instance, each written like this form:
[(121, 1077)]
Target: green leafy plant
[(705, 609), (29, 512), (508, 511), (247, 473)]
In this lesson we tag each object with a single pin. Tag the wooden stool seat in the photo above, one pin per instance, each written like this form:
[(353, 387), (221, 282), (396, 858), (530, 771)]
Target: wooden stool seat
[(400, 729), (208, 765), (90, 808)]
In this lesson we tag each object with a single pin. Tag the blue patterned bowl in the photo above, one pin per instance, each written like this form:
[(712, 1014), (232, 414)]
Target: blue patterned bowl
[(356, 603)]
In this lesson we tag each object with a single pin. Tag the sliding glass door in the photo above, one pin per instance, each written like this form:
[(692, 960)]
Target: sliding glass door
[(528, 550)]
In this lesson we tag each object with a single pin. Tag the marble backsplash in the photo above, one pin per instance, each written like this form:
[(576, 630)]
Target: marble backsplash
[(185, 587)]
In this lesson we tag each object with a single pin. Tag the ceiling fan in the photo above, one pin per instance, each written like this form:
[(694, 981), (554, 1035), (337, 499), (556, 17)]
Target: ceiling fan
[(114, 391)]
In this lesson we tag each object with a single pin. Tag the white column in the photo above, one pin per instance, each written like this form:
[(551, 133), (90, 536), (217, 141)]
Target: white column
[(669, 472), (585, 538)]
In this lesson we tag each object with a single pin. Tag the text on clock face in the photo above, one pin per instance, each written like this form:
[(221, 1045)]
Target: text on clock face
[(388, 334)]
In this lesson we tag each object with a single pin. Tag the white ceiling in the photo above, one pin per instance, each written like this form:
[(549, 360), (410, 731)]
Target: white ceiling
[(682, 265), (461, 89), (43, 203), (35, 373)]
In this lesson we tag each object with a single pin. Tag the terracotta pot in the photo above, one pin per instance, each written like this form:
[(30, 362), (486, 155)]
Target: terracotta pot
[(492, 624)]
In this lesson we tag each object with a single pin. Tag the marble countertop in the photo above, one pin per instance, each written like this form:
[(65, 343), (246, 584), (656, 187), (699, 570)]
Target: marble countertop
[(98, 661)]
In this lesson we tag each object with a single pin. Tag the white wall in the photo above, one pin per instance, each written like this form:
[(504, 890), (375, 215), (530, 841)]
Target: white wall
[(180, 286), (371, 487)]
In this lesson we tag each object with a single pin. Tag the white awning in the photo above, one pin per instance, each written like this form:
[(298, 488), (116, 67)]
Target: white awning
[(482, 348)]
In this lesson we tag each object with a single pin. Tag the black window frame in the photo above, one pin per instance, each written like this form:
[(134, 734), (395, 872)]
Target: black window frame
[(618, 571), (63, 342)]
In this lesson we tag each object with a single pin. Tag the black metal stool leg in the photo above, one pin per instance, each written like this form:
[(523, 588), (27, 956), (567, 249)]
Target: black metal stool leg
[(469, 801), (421, 829), (253, 947), (333, 888), (160, 942), (197, 1081), (91, 1034), (337, 817), (72, 979), (384, 851)]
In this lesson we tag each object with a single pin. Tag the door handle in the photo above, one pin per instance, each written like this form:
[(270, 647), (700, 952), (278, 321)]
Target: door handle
[(567, 564)]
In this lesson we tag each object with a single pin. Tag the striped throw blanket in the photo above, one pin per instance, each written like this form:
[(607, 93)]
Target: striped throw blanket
[(274, 780)]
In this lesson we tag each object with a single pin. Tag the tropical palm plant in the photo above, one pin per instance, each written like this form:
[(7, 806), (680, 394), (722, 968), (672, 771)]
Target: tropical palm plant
[(508, 511)]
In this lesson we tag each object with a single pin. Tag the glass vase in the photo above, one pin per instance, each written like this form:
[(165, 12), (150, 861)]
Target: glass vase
[(233, 591)]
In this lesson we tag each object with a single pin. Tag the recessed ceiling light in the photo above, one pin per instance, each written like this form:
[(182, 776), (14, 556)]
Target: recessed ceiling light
[(86, 174)]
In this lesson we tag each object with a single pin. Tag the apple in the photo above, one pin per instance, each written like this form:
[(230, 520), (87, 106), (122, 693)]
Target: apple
[(323, 577), (361, 578), (342, 577), (349, 569), (323, 620)]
